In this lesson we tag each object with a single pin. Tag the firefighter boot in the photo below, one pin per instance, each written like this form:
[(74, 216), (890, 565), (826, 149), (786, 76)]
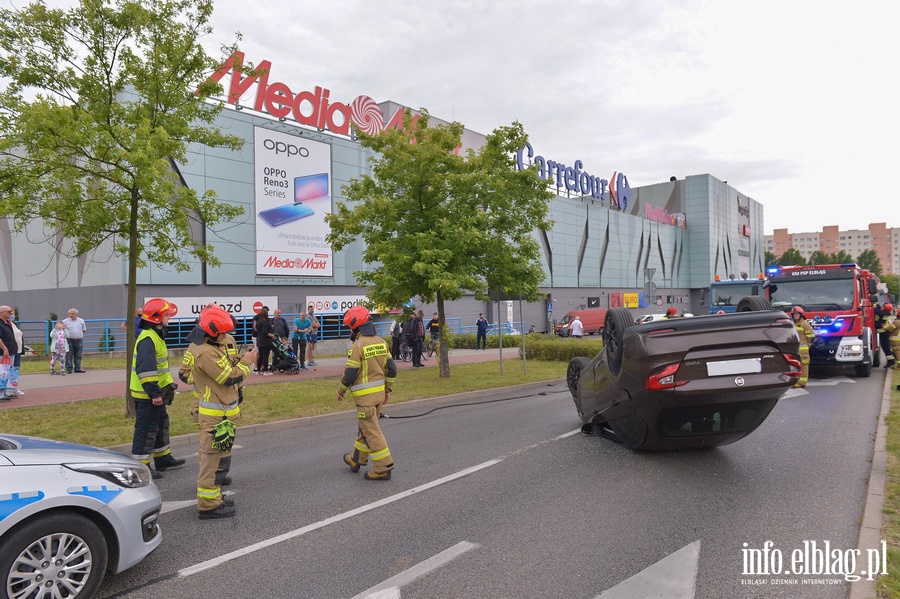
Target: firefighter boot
[(378, 475), (352, 461), (220, 511)]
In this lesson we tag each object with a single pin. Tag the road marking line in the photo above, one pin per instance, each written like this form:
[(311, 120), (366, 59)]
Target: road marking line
[(217, 561), (674, 577), (569, 434), (391, 586), (171, 506)]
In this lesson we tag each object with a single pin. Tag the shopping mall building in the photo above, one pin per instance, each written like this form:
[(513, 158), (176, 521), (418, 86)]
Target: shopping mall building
[(646, 247)]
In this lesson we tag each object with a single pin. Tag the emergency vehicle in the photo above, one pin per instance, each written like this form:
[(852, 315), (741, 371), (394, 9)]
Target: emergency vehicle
[(838, 300), (725, 295)]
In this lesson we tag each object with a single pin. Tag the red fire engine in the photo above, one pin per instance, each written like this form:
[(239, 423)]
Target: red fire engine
[(838, 300)]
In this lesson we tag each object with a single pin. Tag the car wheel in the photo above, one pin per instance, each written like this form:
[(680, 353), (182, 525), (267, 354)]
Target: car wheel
[(753, 303), (60, 555), (573, 373), (617, 321)]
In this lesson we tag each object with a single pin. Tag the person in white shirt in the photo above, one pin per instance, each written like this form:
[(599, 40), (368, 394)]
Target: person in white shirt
[(76, 328), (577, 328)]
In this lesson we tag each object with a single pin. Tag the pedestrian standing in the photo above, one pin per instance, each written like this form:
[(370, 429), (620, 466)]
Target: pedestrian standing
[(313, 337), (265, 339), (302, 327), (152, 389), (481, 336), (396, 338), (59, 347), (418, 342), (8, 350), (577, 327), (76, 328), (369, 377), (217, 374)]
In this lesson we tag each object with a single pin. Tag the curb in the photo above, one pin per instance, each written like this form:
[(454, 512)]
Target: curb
[(870, 529), (280, 425)]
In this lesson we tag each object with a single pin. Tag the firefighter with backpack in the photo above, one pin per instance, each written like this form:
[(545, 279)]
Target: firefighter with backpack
[(369, 377), (893, 329), (217, 377), (807, 335), (882, 319)]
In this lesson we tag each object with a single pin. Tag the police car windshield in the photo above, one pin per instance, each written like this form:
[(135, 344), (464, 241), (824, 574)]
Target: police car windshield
[(834, 294)]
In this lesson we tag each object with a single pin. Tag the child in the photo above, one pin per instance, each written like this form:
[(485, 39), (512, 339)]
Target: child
[(58, 348)]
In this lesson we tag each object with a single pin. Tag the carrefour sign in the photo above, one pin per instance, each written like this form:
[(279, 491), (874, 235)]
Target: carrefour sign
[(575, 179)]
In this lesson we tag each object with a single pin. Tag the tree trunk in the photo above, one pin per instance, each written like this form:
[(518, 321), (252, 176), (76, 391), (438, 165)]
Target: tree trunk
[(131, 304), (444, 353)]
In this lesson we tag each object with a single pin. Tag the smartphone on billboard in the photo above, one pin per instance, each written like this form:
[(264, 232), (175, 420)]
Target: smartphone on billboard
[(285, 214), (310, 187)]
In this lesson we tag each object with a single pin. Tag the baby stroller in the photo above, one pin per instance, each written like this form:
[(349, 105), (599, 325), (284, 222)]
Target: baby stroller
[(284, 359)]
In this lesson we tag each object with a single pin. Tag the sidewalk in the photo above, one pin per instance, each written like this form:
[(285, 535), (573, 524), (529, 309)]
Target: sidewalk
[(43, 389)]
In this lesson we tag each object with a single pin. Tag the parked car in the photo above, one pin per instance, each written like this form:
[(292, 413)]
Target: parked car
[(68, 514), (592, 320), (649, 318), (29, 351), (654, 317), (685, 382)]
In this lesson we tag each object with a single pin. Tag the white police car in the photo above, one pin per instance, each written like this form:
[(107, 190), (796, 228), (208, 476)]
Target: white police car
[(69, 513)]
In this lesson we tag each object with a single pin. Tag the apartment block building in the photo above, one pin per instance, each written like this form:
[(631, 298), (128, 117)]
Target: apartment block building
[(879, 237)]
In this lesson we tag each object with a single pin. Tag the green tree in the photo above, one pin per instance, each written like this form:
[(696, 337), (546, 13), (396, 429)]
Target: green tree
[(771, 259), (101, 101), (819, 257), (893, 285), (842, 257), (792, 257), (869, 259), (436, 224)]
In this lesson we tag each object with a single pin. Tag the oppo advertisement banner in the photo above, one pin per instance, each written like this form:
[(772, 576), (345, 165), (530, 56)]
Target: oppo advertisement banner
[(292, 186), (189, 307)]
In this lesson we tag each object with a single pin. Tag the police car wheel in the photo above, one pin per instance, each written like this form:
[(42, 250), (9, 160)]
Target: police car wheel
[(61, 555)]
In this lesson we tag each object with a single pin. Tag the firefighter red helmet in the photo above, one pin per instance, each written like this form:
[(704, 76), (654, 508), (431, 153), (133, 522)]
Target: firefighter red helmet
[(671, 312), (215, 320), (155, 309), (798, 310), (889, 307), (356, 316)]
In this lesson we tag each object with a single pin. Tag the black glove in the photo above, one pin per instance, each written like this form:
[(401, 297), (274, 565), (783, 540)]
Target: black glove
[(240, 395), (168, 393)]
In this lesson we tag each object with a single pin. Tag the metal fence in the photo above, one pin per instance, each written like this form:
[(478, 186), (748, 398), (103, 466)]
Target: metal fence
[(107, 335)]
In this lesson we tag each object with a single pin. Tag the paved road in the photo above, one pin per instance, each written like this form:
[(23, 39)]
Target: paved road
[(504, 498)]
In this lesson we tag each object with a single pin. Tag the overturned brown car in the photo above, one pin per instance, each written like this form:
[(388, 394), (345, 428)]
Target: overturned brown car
[(686, 382)]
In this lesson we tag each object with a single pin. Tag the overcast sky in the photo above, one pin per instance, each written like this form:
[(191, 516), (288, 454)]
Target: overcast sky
[(794, 103)]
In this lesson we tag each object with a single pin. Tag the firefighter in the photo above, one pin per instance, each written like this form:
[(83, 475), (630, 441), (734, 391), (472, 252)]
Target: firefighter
[(893, 330), (369, 376), (882, 315), (217, 378), (806, 337), (186, 374), (152, 389)]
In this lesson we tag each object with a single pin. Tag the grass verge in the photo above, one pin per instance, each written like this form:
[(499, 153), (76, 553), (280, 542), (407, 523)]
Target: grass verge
[(102, 422), (889, 585)]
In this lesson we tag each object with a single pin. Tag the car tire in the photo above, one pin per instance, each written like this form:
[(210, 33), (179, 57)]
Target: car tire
[(753, 303), (614, 327), (573, 373), (82, 541)]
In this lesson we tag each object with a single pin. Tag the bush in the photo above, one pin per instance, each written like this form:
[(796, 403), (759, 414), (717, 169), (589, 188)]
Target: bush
[(552, 348)]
